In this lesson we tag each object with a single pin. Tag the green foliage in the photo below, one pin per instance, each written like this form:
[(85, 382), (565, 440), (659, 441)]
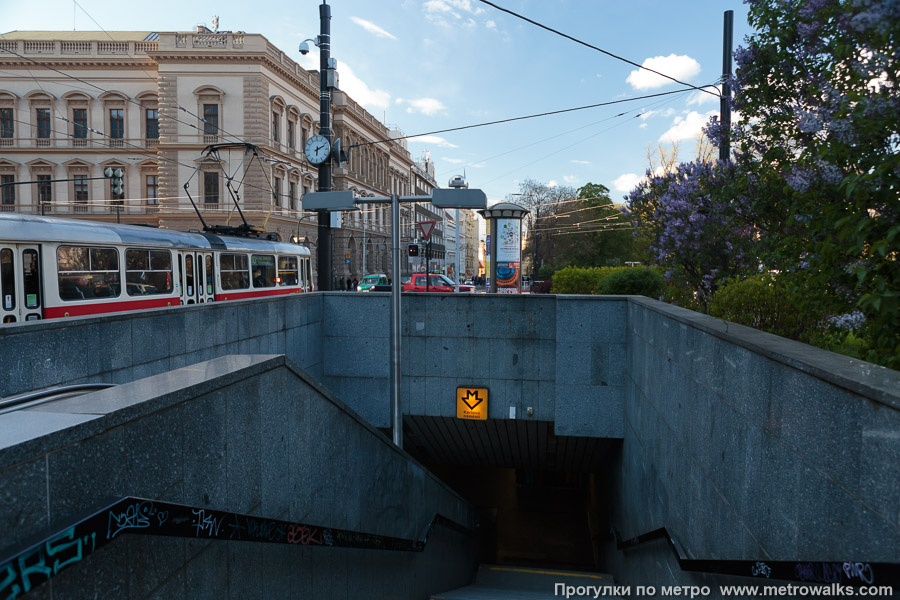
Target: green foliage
[(545, 273), (632, 281), (764, 303), (575, 280)]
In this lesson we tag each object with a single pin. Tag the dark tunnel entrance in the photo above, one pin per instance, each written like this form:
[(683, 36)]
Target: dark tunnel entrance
[(543, 500)]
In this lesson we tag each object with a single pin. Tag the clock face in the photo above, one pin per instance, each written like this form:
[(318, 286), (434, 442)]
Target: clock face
[(317, 149)]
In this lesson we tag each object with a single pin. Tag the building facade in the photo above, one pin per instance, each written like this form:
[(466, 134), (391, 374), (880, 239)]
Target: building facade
[(73, 104)]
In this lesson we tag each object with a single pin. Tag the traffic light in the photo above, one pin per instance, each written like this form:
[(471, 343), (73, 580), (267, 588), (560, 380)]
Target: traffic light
[(413, 249), (116, 175)]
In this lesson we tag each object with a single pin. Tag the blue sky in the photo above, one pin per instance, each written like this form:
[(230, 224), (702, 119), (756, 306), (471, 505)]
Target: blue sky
[(426, 65)]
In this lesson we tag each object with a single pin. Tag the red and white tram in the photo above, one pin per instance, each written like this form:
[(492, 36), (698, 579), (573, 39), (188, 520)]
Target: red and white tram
[(56, 268)]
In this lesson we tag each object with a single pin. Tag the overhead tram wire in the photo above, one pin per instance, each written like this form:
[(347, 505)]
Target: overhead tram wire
[(543, 114), (601, 50), (553, 137)]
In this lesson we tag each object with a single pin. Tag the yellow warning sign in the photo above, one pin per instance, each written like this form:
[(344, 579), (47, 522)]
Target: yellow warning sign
[(472, 403)]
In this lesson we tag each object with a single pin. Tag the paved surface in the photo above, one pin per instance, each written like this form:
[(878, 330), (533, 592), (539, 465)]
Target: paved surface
[(500, 583)]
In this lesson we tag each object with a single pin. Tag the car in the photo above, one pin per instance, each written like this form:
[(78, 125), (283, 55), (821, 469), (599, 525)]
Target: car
[(369, 282), (435, 283), (470, 281)]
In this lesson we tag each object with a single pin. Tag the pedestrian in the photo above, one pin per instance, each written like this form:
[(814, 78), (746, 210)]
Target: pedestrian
[(355, 283)]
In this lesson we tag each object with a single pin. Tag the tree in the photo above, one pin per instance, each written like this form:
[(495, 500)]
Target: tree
[(543, 201), (695, 220), (817, 88), (591, 231)]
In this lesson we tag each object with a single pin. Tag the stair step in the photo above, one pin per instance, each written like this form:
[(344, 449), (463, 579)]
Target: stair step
[(523, 583)]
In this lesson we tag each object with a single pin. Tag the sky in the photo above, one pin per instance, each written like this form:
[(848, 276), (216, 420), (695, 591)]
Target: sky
[(429, 65)]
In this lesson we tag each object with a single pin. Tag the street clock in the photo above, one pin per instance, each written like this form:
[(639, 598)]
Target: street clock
[(317, 149)]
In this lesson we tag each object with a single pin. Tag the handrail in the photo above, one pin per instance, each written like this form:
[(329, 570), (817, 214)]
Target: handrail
[(34, 398), (25, 569), (850, 573)]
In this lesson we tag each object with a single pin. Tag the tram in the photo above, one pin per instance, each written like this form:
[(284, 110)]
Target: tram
[(52, 268)]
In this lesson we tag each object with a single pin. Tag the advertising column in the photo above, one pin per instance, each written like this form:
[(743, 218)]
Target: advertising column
[(509, 256)]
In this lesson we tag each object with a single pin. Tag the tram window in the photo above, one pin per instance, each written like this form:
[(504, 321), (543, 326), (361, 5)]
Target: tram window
[(287, 270), (87, 273), (148, 272), (7, 279), (234, 272), (263, 270), (189, 274), (209, 275), (31, 282)]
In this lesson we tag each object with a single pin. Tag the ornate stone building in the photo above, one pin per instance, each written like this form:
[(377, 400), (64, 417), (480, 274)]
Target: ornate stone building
[(150, 104)]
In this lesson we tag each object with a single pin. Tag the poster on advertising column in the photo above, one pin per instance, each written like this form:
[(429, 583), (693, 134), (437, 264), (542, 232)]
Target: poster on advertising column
[(509, 251)]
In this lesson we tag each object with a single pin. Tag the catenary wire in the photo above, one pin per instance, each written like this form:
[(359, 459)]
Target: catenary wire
[(591, 46)]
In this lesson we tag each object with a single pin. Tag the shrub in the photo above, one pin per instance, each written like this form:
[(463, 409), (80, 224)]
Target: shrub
[(575, 280), (632, 281), (764, 303)]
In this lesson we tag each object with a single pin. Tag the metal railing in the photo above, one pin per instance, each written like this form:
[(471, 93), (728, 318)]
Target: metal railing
[(23, 570), (848, 573)]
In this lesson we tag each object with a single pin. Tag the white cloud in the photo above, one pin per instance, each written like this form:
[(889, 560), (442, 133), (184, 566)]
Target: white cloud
[(439, 11), (479, 165), (426, 106), (652, 113), (490, 24), (701, 98), (580, 162), (453, 161), (355, 87), (552, 183), (372, 28), (627, 181), (433, 139), (680, 67), (642, 126), (570, 178), (686, 128)]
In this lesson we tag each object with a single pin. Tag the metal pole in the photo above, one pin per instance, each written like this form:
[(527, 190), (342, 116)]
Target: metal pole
[(364, 217), (396, 406), (494, 244), (324, 254), (724, 104), (457, 251)]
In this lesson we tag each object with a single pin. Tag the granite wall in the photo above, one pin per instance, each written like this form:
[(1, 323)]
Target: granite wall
[(125, 347), (248, 434), (749, 446)]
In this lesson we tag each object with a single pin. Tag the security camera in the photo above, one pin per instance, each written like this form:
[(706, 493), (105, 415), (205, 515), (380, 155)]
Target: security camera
[(304, 48), (458, 181)]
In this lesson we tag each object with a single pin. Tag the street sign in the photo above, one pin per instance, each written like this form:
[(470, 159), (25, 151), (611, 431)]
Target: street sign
[(458, 198), (472, 403), (426, 227)]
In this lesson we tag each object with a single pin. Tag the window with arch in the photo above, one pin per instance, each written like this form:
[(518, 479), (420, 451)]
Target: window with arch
[(115, 109), (41, 105), (210, 108), (78, 110), (277, 110), (78, 173), (149, 118), (7, 118)]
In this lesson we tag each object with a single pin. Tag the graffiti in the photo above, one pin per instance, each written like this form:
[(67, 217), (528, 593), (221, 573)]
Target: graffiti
[(304, 534), (760, 568), (36, 564), (136, 516), (272, 531), (819, 572), (205, 523), (863, 571), (43, 562)]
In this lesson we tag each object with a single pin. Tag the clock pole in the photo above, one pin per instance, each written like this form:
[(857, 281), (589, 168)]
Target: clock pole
[(323, 249)]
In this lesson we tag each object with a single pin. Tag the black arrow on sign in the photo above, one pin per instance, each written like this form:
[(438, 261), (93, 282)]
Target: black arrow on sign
[(470, 394)]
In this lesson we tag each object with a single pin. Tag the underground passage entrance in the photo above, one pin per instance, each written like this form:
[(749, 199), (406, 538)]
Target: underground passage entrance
[(542, 499)]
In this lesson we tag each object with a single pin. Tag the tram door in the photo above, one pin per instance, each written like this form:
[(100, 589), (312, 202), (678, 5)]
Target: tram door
[(198, 278), (20, 284)]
